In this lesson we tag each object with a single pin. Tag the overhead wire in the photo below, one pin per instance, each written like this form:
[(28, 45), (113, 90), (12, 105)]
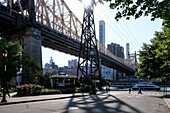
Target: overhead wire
[(112, 28), (126, 26), (130, 32), (124, 36), (118, 33), (129, 36)]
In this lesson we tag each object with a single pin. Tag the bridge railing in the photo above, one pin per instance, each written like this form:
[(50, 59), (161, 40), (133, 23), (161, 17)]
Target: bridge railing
[(127, 62), (57, 16)]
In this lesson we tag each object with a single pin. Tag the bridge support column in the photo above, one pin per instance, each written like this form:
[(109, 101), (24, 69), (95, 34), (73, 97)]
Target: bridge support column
[(32, 44)]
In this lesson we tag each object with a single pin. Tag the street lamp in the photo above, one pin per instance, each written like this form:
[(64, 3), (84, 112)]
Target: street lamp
[(4, 54)]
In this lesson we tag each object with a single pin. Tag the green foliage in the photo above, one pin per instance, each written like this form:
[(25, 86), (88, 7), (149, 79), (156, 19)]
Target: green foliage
[(68, 90), (137, 8), (50, 91), (45, 79), (78, 90), (60, 91), (86, 88), (29, 89), (11, 60), (104, 82), (155, 58), (12, 89), (31, 70)]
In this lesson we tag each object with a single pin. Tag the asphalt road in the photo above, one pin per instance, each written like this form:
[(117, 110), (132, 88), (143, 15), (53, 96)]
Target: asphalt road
[(112, 102)]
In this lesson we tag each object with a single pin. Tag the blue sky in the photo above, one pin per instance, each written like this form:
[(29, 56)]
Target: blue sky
[(124, 31)]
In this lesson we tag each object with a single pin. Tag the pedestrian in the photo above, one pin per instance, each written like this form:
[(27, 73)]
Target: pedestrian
[(130, 90), (139, 90), (106, 90)]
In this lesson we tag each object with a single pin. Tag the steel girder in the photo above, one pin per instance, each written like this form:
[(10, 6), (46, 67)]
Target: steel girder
[(51, 18)]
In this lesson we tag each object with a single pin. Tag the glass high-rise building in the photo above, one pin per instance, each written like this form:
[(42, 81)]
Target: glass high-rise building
[(127, 50), (72, 63), (118, 51), (102, 32), (106, 72)]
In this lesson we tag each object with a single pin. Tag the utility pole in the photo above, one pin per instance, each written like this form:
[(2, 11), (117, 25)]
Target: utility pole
[(89, 65)]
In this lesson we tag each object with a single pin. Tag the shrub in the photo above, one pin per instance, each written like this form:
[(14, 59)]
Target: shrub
[(29, 89), (78, 90), (50, 91), (12, 89), (68, 90), (86, 88)]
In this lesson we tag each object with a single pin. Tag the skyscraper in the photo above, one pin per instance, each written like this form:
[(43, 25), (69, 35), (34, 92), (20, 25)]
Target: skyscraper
[(102, 32), (51, 60), (51, 67), (118, 51), (106, 72), (127, 50), (72, 63)]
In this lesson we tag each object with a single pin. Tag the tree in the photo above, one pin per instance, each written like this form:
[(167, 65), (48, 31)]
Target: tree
[(45, 79), (11, 60), (31, 70), (155, 58), (104, 82), (137, 8)]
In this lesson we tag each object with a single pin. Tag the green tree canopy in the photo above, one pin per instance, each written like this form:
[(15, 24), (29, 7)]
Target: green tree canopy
[(104, 82), (137, 8), (155, 58), (11, 60), (31, 70), (45, 79)]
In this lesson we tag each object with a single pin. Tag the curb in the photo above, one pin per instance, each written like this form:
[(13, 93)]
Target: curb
[(166, 103), (168, 106), (8, 103)]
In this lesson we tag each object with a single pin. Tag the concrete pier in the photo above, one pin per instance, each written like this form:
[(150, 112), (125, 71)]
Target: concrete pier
[(30, 39), (32, 44)]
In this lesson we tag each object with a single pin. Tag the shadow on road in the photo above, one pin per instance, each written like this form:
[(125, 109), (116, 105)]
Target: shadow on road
[(102, 103)]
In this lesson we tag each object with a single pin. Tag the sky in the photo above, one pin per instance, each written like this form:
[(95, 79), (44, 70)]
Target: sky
[(133, 31)]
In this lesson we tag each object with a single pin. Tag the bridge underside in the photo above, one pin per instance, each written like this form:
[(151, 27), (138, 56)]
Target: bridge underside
[(16, 24)]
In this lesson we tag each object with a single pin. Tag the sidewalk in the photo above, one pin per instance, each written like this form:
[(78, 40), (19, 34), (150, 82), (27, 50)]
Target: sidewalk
[(15, 100)]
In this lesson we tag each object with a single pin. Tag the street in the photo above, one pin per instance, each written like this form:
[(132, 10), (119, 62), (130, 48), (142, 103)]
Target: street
[(111, 102)]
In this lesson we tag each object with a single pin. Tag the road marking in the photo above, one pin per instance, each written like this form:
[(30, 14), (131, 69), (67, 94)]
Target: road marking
[(73, 108)]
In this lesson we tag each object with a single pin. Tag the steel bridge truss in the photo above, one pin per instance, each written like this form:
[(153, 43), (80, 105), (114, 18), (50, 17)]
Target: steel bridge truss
[(57, 16), (52, 13)]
